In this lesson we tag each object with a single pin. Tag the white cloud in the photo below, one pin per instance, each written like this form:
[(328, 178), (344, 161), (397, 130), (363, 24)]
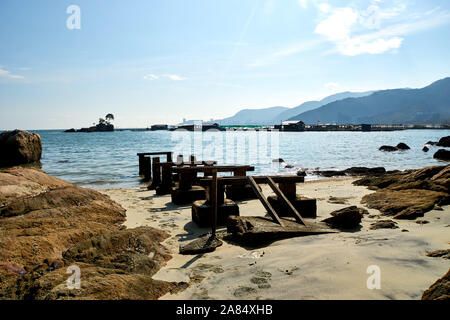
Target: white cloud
[(172, 77), (6, 74), (337, 26), (355, 32)]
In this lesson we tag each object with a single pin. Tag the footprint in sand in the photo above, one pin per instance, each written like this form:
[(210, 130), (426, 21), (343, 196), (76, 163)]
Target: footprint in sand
[(244, 291)]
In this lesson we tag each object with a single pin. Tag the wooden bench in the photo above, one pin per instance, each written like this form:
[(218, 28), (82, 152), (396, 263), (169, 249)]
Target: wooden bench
[(187, 192), (167, 178)]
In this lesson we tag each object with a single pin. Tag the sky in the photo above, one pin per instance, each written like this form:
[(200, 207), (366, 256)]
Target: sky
[(64, 64)]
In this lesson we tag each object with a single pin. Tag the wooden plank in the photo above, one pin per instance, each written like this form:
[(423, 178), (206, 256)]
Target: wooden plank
[(258, 179), (264, 201), (283, 198), (214, 202)]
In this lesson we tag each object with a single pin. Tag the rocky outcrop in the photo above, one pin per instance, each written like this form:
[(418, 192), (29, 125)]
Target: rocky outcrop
[(388, 148), (403, 146), (442, 154), (47, 224), (440, 290), (408, 194), (19, 147), (425, 149), (444, 142), (353, 171), (346, 218)]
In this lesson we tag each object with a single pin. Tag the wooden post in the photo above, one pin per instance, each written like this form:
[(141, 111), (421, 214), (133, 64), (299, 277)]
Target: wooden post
[(179, 159), (156, 174), (289, 189), (147, 168), (141, 164), (169, 157), (214, 201)]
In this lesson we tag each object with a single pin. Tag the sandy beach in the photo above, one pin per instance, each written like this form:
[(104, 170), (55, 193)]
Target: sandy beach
[(328, 266)]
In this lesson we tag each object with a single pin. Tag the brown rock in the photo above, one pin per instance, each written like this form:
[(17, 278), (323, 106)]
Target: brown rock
[(442, 154), (384, 224), (47, 224), (440, 290), (444, 142), (439, 253), (19, 147), (346, 218), (404, 204)]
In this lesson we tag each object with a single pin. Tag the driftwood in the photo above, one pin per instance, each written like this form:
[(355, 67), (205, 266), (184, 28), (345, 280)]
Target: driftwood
[(258, 231)]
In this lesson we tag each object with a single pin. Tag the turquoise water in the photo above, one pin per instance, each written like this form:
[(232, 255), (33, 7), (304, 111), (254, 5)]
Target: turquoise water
[(108, 159)]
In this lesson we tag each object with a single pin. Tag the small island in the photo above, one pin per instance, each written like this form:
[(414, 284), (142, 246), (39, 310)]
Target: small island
[(103, 125)]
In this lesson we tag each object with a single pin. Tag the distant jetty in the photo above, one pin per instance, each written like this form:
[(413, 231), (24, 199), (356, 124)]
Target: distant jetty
[(295, 126)]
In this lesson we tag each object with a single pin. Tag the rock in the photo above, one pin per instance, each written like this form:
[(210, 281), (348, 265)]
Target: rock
[(47, 224), (70, 130), (301, 173), (425, 149), (442, 154), (204, 244), (19, 147), (440, 290), (444, 142), (384, 224), (346, 218), (404, 204), (403, 146), (357, 171), (388, 148), (422, 221), (435, 178), (289, 166), (439, 253), (279, 160), (431, 143), (353, 171)]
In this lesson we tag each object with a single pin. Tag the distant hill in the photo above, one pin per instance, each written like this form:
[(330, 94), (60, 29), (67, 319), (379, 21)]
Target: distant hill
[(253, 116), (275, 115), (427, 105), (310, 105)]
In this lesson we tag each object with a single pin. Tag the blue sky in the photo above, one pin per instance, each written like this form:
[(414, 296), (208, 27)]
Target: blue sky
[(158, 61)]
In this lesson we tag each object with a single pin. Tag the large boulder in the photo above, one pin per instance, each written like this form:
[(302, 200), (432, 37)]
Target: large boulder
[(442, 154), (19, 147), (444, 142)]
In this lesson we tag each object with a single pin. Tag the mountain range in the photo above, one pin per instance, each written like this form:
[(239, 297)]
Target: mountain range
[(428, 105), (275, 115)]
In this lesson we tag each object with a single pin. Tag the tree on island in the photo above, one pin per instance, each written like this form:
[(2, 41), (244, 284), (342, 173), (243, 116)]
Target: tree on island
[(109, 117)]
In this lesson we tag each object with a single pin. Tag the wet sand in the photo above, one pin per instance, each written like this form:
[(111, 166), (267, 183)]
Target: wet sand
[(328, 266)]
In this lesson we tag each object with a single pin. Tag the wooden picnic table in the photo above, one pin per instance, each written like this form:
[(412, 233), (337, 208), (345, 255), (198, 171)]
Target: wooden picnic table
[(145, 162), (186, 173)]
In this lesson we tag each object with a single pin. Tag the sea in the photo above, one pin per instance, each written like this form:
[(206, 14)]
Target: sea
[(109, 159)]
